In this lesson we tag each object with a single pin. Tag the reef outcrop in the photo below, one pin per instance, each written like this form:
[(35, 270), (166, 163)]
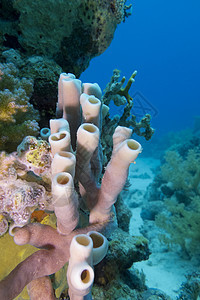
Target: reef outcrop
[(69, 32)]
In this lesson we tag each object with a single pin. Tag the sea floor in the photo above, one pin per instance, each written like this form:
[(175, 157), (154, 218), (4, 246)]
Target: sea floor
[(165, 270)]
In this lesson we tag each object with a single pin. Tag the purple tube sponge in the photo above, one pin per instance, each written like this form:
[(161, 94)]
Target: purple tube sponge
[(76, 187)]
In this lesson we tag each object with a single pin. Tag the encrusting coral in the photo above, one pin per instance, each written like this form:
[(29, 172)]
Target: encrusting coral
[(18, 118), (70, 188)]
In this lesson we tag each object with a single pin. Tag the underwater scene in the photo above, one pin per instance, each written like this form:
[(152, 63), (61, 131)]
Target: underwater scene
[(99, 150)]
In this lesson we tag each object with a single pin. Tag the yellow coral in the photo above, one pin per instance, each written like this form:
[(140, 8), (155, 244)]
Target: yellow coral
[(125, 91)]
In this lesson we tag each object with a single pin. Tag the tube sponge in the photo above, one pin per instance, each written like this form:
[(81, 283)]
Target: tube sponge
[(100, 246), (60, 141), (91, 109), (66, 76), (63, 161), (85, 251), (127, 152), (45, 133), (92, 89), (65, 202), (71, 91), (57, 125), (120, 135), (80, 274), (81, 279), (115, 177), (87, 141)]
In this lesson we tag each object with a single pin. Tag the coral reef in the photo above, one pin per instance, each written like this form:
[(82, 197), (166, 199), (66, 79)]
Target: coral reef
[(183, 200), (115, 91), (66, 181), (123, 214), (191, 288), (174, 197), (182, 226), (70, 32), (19, 199), (183, 173), (35, 155), (120, 96), (18, 118), (44, 74), (44, 38)]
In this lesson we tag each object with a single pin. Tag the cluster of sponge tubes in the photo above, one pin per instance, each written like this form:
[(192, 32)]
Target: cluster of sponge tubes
[(77, 159)]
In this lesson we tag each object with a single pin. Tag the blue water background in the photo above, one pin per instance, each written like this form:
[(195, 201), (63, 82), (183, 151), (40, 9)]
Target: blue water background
[(161, 40)]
